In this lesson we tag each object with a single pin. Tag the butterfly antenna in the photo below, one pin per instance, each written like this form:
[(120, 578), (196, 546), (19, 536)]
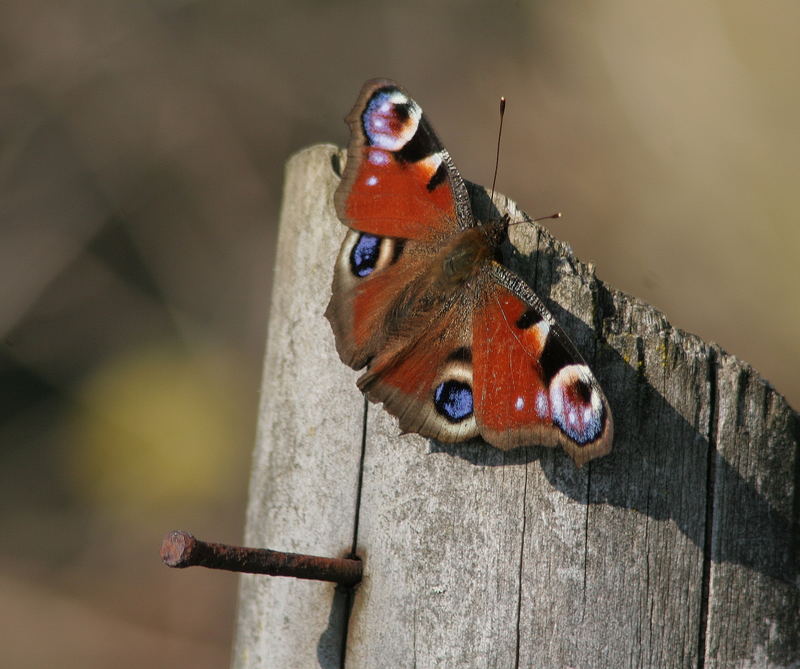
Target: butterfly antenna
[(497, 152), (544, 218), (535, 220), (497, 165)]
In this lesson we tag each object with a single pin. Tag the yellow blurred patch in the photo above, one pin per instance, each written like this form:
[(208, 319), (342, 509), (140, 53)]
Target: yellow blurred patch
[(158, 426)]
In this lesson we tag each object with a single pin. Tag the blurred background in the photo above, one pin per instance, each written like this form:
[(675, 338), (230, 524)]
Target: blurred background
[(141, 154)]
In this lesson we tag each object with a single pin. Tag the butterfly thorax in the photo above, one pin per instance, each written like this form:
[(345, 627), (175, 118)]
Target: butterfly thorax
[(444, 283), (466, 253)]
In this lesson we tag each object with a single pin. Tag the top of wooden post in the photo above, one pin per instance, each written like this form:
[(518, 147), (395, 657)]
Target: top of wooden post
[(678, 549)]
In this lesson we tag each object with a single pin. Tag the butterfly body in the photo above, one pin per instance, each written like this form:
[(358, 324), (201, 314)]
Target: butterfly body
[(464, 257), (457, 344)]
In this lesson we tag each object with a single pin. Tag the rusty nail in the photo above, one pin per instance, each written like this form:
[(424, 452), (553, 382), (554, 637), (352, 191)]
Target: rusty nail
[(180, 549)]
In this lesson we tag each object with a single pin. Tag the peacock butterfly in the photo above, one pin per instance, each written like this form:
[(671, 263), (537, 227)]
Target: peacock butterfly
[(456, 344)]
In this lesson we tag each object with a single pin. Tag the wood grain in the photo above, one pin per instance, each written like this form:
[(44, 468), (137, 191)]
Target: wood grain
[(305, 470), (680, 549)]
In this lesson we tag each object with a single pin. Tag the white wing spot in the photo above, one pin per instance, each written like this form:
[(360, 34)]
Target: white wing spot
[(519, 405), (378, 157), (371, 181), (541, 404)]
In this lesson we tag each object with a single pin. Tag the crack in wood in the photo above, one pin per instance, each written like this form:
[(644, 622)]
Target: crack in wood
[(521, 562), (711, 470), (350, 596)]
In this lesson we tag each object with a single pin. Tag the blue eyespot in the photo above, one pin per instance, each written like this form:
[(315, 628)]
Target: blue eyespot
[(580, 424), (453, 400), (364, 255)]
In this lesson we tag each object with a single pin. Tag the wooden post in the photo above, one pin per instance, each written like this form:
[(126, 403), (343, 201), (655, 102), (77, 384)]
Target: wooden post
[(680, 549)]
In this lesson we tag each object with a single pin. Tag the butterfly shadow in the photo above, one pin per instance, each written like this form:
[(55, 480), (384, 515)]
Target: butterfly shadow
[(662, 465), (652, 475)]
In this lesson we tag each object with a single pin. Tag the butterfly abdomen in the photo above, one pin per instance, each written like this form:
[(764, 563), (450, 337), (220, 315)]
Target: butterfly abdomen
[(444, 285)]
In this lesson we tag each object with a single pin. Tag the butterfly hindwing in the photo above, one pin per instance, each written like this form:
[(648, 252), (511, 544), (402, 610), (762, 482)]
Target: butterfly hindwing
[(493, 362), (425, 378), (369, 277)]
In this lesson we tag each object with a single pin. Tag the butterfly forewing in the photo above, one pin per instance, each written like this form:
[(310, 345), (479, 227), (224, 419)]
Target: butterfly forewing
[(399, 181), (531, 385), (401, 195)]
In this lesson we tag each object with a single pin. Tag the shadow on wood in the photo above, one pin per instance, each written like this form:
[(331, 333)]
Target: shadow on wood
[(677, 550)]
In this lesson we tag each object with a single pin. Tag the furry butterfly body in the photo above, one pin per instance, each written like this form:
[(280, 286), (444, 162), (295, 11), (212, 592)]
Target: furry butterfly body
[(457, 344)]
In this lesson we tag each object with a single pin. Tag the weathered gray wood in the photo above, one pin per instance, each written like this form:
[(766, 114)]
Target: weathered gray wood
[(677, 550), (754, 608), (306, 463)]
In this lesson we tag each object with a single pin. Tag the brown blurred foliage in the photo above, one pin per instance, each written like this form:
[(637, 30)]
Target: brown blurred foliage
[(140, 176)]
